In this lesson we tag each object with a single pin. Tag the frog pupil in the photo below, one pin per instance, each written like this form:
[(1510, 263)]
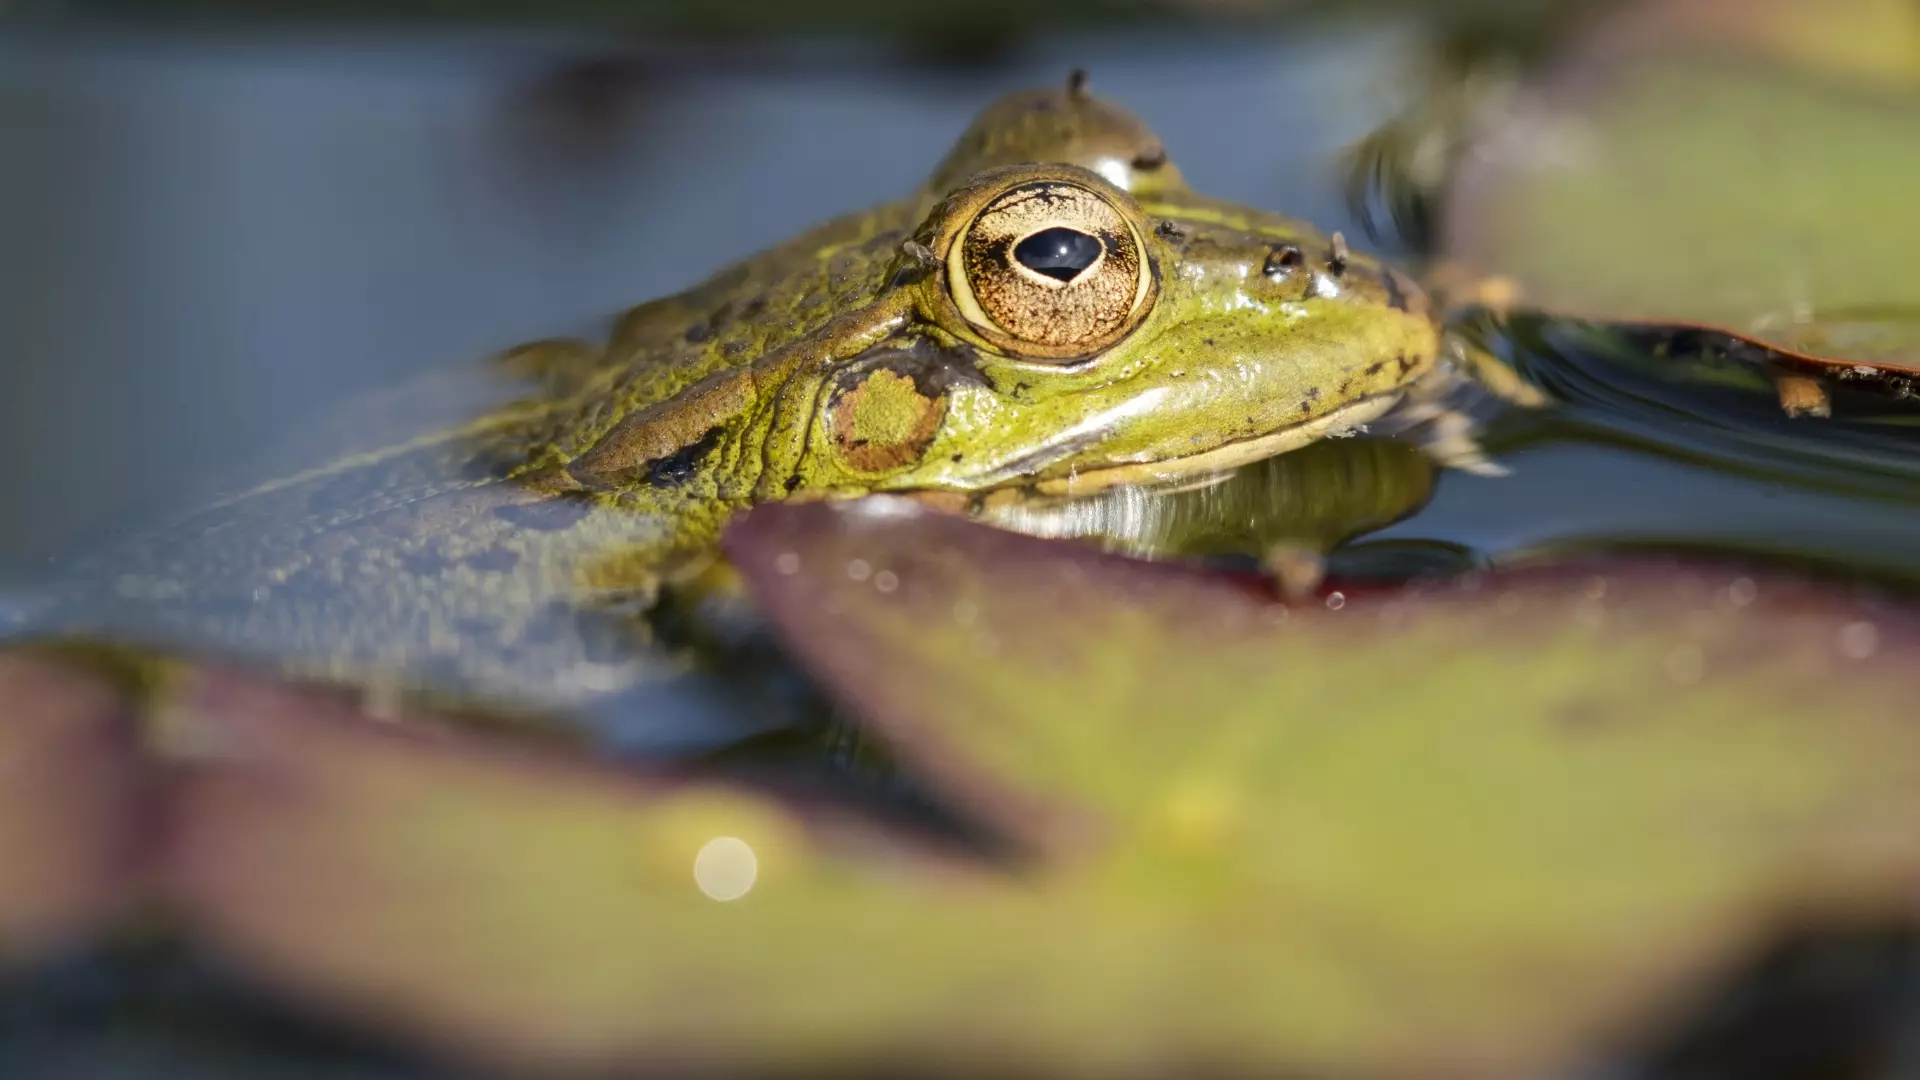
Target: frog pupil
[(1059, 253)]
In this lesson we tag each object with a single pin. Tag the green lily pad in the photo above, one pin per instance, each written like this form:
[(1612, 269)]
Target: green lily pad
[(1409, 832), (1439, 832), (71, 796), (1739, 167)]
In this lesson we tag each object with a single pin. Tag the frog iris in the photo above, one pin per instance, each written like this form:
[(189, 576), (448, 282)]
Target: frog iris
[(1051, 269)]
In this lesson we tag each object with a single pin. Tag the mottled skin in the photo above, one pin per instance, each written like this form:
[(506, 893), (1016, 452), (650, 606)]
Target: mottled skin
[(507, 557)]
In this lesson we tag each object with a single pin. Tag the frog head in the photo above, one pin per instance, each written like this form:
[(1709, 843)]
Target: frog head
[(1060, 312), (1081, 318)]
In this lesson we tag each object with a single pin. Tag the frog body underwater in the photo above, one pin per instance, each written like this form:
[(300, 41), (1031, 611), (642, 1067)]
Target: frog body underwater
[(1053, 313)]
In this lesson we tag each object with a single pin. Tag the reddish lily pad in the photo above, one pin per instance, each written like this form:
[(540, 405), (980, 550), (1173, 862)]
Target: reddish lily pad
[(1739, 167), (1444, 832), (71, 796)]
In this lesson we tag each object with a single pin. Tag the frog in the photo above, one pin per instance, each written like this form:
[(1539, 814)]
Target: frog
[(1052, 314)]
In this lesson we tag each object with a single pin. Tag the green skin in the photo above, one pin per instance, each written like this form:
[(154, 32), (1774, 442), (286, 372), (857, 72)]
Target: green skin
[(505, 557)]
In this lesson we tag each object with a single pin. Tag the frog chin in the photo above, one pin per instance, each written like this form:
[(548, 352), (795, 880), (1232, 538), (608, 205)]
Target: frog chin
[(1219, 459)]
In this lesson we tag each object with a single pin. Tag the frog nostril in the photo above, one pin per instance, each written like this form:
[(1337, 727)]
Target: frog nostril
[(1281, 259)]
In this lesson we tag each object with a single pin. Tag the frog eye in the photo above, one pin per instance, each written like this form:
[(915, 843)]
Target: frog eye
[(1052, 266)]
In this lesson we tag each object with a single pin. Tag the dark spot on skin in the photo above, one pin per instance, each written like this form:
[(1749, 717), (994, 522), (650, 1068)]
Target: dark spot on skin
[(956, 458), (1282, 259), (699, 334), (1209, 343), (495, 560), (1405, 362), (1396, 296), (1170, 230), (1376, 367), (547, 515), (1077, 84), (754, 307), (1313, 393), (793, 484), (1151, 158), (680, 466), (734, 348)]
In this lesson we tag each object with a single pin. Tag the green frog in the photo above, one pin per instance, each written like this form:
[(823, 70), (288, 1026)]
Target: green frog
[(1054, 314)]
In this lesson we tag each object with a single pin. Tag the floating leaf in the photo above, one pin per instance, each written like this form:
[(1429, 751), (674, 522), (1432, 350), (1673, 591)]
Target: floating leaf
[(71, 793), (1419, 833), (516, 909), (1444, 832), (1734, 166)]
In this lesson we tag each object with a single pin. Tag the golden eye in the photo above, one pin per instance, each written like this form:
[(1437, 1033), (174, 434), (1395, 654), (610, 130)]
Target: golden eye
[(1051, 265)]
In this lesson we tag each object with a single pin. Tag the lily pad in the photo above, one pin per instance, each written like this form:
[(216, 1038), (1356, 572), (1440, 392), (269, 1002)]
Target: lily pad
[(1486, 827), (1745, 168), (71, 796), (1428, 832)]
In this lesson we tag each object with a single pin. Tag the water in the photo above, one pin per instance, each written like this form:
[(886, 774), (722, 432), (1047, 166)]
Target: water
[(1682, 450)]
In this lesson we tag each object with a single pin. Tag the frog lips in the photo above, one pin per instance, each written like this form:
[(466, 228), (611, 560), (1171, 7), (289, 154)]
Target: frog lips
[(1227, 455)]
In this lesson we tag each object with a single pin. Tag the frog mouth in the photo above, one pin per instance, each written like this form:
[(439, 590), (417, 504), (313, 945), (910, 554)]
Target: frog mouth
[(1219, 459)]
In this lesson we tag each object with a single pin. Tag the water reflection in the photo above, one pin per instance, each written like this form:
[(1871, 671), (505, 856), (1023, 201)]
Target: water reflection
[(1313, 498), (1663, 442)]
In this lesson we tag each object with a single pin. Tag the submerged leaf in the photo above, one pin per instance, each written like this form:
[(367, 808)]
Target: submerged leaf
[(1740, 167)]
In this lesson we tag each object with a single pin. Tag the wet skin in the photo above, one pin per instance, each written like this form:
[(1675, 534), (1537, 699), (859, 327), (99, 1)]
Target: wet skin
[(1055, 312)]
